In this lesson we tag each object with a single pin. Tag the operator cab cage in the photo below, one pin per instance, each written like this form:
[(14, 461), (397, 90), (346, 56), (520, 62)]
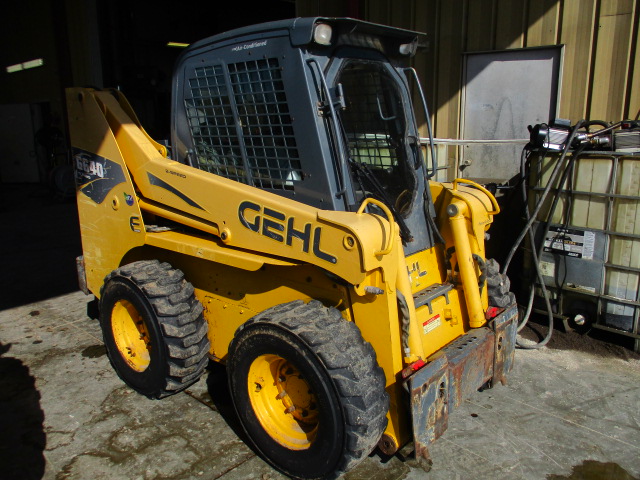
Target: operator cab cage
[(299, 107)]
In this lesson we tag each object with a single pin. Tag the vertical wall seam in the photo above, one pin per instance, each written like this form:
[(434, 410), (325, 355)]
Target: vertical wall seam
[(494, 23), (461, 87), (592, 61), (436, 64), (633, 51), (558, 26), (525, 23)]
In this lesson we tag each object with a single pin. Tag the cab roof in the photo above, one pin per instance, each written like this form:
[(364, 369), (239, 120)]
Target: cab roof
[(301, 31)]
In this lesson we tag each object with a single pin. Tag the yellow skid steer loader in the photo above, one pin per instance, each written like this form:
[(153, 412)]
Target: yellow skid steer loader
[(292, 232)]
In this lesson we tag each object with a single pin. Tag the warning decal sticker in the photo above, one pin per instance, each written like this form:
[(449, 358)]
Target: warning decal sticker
[(431, 324)]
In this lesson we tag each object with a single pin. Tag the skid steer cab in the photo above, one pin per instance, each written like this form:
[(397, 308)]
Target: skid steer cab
[(292, 233)]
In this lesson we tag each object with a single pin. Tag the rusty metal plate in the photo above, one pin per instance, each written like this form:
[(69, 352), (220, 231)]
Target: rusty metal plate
[(480, 357), (505, 327)]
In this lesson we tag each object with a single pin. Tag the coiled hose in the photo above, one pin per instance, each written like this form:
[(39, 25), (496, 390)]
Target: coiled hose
[(528, 229)]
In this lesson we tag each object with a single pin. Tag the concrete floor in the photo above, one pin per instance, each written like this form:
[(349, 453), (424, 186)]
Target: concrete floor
[(66, 415), (570, 411)]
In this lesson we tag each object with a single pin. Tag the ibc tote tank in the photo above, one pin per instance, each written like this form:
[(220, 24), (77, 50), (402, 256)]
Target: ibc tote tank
[(591, 256)]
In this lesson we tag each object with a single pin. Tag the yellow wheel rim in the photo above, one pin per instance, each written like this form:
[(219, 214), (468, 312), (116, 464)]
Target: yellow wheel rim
[(283, 402), (131, 335)]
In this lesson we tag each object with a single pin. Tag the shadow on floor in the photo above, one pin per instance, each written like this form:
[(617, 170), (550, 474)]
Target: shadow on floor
[(218, 389), (22, 437)]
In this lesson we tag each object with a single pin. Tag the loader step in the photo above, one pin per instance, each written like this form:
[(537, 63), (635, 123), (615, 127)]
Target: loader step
[(429, 294)]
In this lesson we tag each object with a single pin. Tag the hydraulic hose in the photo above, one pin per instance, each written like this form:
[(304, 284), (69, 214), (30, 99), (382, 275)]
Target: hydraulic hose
[(528, 229), (552, 210), (535, 258), (534, 254), (533, 215)]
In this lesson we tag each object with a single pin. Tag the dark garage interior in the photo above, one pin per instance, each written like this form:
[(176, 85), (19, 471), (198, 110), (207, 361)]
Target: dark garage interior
[(97, 44)]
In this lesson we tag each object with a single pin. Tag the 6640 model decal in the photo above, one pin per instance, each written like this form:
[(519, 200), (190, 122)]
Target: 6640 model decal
[(88, 166), (95, 175)]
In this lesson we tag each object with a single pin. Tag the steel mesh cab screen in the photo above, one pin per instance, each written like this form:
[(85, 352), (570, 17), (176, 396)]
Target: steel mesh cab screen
[(255, 143), (212, 125)]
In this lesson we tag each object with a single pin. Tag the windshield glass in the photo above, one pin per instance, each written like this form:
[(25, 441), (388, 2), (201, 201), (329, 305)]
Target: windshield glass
[(375, 126)]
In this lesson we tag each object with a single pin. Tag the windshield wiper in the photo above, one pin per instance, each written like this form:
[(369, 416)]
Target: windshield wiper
[(364, 175)]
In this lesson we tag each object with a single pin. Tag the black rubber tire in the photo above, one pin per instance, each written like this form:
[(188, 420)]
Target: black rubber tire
[(499, 286), (173, 318), (340, 368)]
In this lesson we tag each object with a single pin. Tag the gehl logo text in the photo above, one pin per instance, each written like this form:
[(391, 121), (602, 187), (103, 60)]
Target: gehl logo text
[(275, 225)]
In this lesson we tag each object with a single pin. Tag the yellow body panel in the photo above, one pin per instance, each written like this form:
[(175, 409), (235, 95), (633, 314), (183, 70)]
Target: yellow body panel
[(211, 250), (241, 202), (445, 321), (105, 227), (231, 295)]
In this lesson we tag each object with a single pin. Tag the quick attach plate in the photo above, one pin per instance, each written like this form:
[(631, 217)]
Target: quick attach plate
[(480, 357)]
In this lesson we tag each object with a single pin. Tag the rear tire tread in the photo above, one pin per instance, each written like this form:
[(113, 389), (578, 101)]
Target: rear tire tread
[(179, 315)]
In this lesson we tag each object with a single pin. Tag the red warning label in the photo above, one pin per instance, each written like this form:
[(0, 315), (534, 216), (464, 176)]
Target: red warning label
[(431, 324)]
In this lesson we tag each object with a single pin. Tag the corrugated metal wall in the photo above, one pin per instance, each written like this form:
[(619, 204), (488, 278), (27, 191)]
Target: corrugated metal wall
[(601, 68)]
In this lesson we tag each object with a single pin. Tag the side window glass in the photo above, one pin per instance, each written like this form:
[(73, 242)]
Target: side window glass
[(375, 126), (373, 119)]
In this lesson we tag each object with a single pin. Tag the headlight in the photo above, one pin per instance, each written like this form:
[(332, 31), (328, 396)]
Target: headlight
[(322, 34)]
